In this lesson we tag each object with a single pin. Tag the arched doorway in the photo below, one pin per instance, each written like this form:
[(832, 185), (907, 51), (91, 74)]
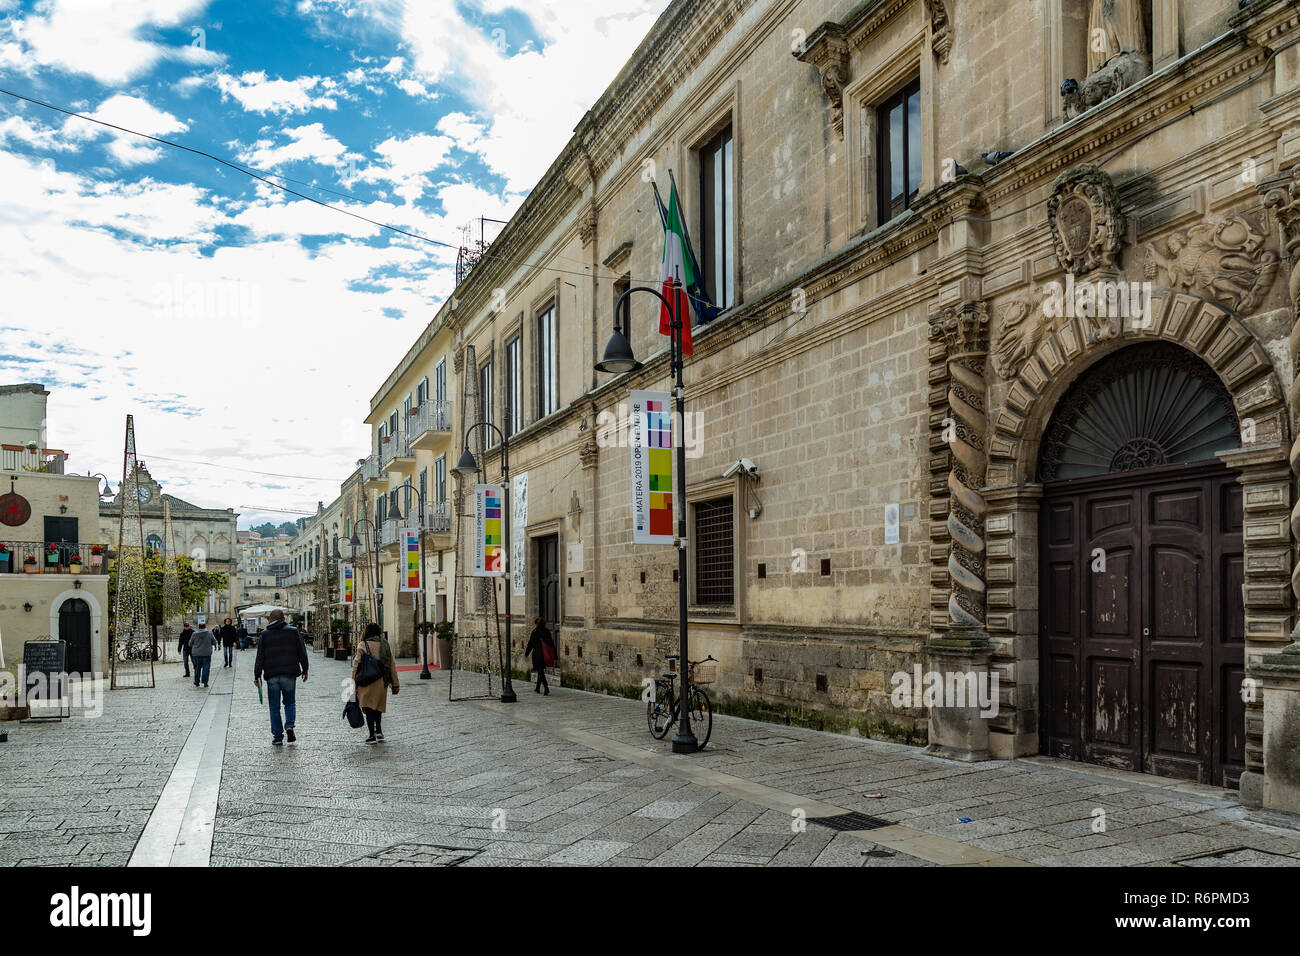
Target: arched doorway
[(1141, 611), (74, 627)]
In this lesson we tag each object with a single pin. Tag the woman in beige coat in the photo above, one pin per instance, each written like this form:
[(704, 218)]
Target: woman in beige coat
[(373, 698)]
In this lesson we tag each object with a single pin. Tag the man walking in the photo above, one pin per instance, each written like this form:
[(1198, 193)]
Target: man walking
[(187, 632), (241, 632), (281, 656), (201, 646), (227, 635)]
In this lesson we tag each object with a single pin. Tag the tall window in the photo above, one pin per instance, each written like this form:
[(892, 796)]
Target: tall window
[(514, 412), (406, 485), (440, 381), (714, 552), (379, 445), (379, 511), (392, 424), (718, 220), (898, 146), (440, 478), (422, 391), (548, 381), (424, 484), (485, 393)]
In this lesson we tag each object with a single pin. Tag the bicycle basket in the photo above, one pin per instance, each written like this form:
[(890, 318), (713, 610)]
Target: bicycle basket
[(704, 673)]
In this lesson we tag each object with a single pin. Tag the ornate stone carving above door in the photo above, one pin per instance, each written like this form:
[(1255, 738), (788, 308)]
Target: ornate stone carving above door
[(1020, 329), (1224, 261), (1085, 218)]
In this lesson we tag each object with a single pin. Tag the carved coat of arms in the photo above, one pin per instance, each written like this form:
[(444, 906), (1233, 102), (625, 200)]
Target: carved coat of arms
[(1085, 218)]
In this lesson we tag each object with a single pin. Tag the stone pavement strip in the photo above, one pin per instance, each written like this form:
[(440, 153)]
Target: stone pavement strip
[(569, 779)]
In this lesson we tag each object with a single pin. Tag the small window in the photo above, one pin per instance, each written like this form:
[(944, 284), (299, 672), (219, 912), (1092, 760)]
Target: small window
[(898, 151), (714, 552), (718, 220), (548, 385)]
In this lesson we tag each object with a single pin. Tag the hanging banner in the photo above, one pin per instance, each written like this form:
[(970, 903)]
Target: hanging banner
[(410, 541), (519, 524), (347, 585), (651, 429), (489, 546)]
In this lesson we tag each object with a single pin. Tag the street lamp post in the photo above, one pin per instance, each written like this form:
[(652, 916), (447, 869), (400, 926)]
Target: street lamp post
[(422, 610), (355, 541), (620, 358), (466, 467)]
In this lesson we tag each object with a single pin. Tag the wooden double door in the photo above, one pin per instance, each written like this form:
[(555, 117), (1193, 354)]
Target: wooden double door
[(1142, 622)]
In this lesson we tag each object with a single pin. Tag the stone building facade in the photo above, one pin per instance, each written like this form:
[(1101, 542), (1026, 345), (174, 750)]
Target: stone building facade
[(205, 534), (1006, 335)]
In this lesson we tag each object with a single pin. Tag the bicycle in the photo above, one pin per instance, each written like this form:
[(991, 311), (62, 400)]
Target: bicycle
[(662, 709)]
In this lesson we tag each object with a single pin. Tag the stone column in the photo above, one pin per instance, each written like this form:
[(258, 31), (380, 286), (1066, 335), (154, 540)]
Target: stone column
[(1280, 676), (960, 654)]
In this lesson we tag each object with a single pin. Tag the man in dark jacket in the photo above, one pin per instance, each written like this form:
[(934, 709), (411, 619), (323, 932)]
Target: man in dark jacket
[(281, 656), (241, 633), (538, 642), (184, 646), (226, 634)]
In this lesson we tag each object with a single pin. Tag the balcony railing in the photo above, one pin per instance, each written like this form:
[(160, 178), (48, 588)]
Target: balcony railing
[(21, 458), (438, 520), (429, 421), (371, 470), (394, 446), (15, 560), (388, 533)]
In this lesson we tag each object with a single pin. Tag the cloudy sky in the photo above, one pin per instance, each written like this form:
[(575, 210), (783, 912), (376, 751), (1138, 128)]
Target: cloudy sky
[(244, 328)]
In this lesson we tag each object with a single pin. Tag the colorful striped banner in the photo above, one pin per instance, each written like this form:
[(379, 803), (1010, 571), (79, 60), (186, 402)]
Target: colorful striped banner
[(489, 537), (410, 539), (347, 585), (652, 467)]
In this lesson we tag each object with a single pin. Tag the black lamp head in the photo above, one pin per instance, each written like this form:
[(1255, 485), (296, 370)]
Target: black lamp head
[(467, 465), (618, 355)]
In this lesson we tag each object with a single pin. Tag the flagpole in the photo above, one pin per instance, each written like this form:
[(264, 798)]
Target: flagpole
[(685, 741)]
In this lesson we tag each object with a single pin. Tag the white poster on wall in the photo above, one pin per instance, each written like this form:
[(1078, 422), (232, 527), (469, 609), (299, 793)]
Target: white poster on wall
[(519, 523)]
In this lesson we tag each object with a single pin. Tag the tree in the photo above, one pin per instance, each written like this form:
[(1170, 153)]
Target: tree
[(194, 584), (266, 530), (289, 527)]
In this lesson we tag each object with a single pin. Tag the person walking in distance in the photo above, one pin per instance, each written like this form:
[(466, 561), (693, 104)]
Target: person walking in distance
[(201, 645), (228, 636), (539, 642), (184, 646), (281, 657), (373, 697), (241, 633)]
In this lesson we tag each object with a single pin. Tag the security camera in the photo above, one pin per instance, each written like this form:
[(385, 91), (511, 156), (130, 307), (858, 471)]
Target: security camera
[(743, 464)]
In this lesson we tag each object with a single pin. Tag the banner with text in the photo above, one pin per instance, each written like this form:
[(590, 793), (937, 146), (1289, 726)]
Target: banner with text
[(410, 539), (519, 524), (347, 585), (489, 543), (652, 467)]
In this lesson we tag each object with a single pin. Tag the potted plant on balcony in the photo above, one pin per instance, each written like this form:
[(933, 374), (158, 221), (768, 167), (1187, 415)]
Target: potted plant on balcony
[(30, 566), (52, 556), (6, 559), (446, 633), (74, 564), (96, 555)]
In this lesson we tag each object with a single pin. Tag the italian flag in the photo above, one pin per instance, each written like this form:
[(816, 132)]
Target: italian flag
[(676, 265)]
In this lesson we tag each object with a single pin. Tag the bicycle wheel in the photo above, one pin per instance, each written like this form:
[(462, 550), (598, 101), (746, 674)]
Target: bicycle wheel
[(701, 716), (659, 715)]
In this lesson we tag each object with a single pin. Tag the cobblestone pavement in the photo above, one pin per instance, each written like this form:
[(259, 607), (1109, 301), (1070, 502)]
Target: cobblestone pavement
[(572, 778)]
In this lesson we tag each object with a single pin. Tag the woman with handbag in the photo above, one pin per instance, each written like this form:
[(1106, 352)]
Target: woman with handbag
[(542, 649), (373, 672)]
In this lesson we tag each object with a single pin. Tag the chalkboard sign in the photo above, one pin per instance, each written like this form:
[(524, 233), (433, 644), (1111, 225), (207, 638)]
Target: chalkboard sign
[(50, 659)]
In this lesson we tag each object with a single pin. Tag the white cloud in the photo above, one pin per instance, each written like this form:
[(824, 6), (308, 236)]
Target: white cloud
[(98, 39), (109, 302), (310, 143), (130, 112), (257, 94), (531, 98)]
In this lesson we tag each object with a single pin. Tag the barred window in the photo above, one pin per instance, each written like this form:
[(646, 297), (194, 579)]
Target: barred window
[(714, 552)]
